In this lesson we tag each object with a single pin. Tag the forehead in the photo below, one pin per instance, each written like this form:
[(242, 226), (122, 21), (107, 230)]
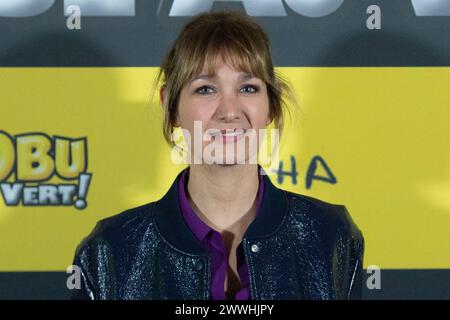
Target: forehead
[(241, 76), (224, 59), (209, 69)]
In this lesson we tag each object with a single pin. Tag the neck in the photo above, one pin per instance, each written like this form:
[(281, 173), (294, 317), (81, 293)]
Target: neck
[(224, 197)]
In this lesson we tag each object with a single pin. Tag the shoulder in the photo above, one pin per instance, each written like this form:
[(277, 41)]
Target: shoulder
[(117, 229), (330, 217)]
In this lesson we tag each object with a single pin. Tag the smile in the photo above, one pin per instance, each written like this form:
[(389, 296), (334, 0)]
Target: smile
[(229, 135)]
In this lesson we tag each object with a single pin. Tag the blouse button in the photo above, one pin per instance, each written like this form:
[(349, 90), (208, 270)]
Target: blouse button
[(254, 248)]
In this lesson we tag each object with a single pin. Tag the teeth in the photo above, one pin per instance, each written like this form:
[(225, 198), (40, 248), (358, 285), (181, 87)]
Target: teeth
[(230, 133)]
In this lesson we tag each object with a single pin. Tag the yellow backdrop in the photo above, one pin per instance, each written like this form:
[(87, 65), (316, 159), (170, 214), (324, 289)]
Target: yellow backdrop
[(383, 132)]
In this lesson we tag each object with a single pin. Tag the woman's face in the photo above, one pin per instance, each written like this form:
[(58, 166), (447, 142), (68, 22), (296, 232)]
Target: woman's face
[(226, 104)]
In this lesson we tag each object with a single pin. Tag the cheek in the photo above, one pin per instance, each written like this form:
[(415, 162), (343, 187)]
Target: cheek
[(200, 112), (259, 114), (189, 114)]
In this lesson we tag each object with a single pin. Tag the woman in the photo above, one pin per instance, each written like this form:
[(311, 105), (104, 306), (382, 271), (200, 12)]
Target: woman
[(223, 230)]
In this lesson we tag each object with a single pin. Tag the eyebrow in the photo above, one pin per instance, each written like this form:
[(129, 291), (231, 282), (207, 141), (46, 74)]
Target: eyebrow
[(242, 77)]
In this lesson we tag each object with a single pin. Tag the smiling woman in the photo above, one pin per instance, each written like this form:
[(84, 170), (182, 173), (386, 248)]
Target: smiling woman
[(229, 106), (223, 230)]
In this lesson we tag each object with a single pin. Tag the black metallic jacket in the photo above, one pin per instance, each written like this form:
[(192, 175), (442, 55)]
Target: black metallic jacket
[(298, 247)]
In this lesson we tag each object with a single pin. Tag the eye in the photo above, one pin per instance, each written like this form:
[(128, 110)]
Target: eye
[(253, 89), (202, 91)]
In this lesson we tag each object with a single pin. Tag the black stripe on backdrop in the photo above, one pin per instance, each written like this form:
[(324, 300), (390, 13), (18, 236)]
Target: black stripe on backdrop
[(395, 284), (338, 39)]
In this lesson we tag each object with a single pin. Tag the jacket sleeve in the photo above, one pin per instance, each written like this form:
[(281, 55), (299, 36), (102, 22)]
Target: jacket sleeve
[(349, 258), (82, 262), (94, 261), (356, 270)]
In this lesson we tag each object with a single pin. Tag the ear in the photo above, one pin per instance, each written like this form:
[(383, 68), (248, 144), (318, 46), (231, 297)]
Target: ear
[(176, 124), (162, 95)]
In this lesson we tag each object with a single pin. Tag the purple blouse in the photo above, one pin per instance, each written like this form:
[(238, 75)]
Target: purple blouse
[(215, 245)]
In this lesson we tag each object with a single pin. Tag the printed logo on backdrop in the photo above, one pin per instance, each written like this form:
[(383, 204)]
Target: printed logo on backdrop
[(318, 8), (28, 162)]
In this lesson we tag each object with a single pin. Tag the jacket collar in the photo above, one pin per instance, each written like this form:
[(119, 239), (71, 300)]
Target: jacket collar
[(174, 230)]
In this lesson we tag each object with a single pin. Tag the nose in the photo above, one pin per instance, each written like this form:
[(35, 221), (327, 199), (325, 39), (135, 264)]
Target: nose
[(229, 108)]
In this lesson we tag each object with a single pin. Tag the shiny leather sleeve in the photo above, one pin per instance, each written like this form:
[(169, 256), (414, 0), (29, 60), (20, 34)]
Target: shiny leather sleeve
[(85, 292), (94, 260), (350, 254)]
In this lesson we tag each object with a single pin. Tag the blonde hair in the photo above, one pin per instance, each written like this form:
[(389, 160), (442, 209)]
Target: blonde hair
[(238, 40)]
